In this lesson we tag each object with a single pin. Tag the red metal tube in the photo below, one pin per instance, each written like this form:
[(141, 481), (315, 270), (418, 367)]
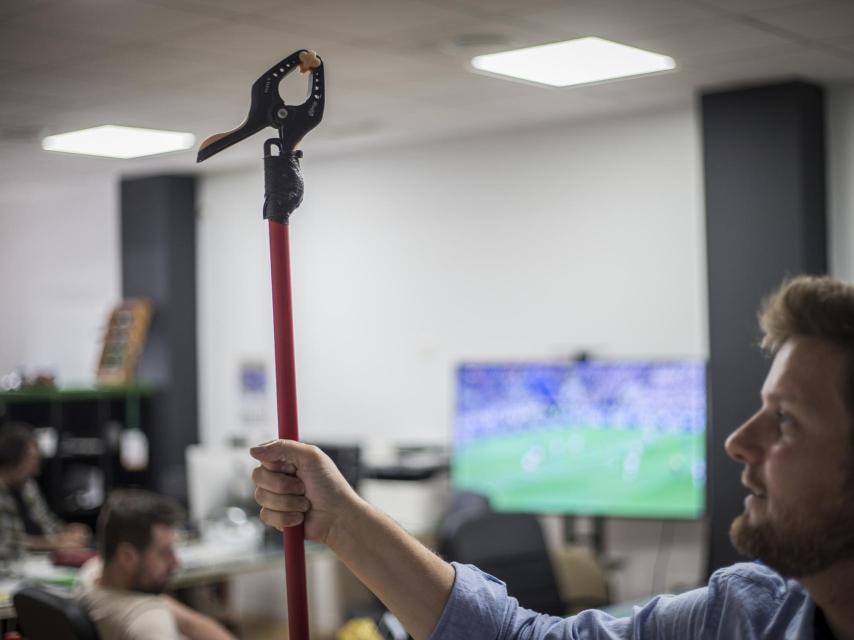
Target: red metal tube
[(286, 402)]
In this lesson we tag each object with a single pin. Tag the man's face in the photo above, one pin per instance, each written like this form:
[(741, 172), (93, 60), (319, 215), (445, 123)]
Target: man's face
[(157, 562), (798, 456), (29, 466)]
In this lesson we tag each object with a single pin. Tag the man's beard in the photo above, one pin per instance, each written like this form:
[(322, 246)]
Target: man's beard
[(799, 546), (147, 586)]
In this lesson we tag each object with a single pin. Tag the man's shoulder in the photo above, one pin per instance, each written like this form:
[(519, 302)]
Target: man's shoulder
[(128, 614), (755, 578), (120, 601)]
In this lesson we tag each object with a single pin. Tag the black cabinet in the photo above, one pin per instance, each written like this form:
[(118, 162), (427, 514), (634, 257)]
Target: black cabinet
[(93, 439)]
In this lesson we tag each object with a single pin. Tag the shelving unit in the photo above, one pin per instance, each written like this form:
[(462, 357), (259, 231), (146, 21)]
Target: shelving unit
[(88, 423)]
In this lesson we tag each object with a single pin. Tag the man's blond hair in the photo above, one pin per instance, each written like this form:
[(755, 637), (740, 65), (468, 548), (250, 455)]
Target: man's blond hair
[(815, 307)]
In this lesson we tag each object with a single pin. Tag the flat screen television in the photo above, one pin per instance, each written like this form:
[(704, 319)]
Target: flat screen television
[(605, 438)]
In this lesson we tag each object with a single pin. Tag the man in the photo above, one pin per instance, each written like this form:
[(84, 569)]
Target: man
[(798, 457), (123, 590), (26, 522)]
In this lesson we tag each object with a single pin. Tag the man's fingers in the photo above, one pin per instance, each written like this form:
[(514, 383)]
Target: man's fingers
[(280, 520), (277, 482), (278, 502), (283, 450)]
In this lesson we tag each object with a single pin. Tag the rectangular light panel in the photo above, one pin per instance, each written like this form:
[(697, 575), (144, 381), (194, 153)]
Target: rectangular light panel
[(572, 62), (111, 141)]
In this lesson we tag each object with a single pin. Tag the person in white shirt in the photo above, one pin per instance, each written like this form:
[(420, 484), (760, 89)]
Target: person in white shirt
[(122, 591)]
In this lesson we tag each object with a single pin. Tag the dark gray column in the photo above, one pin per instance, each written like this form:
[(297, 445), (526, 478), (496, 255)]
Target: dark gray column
[(763, 153), (158, 239)]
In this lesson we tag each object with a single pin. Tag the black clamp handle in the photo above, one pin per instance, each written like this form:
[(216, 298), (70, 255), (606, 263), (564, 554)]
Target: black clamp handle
[(267, 109)]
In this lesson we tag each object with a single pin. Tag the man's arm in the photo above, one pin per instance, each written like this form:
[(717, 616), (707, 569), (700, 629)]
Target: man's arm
[(297, 483), (195, 625)]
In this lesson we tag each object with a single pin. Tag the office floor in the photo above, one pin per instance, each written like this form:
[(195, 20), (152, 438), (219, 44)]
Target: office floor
[(269, 630), (263, 630)]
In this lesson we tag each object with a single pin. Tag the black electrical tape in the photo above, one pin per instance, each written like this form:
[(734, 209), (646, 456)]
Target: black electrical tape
[(283, 184)]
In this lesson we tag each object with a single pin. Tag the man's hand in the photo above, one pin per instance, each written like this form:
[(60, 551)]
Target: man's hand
[(75, 536), (298, 483)]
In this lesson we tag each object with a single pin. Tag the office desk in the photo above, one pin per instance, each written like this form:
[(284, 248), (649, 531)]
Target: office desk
[(201, 565), (253, 578)]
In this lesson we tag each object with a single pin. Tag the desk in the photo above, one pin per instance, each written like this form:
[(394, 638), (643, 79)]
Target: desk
[(256, 574), (201, 564)]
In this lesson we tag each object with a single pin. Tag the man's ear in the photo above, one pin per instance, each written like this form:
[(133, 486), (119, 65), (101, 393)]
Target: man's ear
[(127, 555)]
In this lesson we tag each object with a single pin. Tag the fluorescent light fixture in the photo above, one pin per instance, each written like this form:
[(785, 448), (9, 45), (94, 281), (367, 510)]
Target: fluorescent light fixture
[(580, 61), (111, 141)]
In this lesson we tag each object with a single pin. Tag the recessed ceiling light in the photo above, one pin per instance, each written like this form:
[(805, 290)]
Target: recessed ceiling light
[(580, 61), (110, 141)]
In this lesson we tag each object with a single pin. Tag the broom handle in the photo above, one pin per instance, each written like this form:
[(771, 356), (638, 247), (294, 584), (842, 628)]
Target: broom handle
[(286, 403)]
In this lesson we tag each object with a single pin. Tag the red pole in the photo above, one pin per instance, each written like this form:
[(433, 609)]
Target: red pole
[(286, 398)]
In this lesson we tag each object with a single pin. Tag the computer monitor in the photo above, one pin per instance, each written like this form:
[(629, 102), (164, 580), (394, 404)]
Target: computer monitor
[(592, 437)]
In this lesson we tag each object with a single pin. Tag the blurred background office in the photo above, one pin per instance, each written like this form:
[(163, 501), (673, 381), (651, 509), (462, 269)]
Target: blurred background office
[(482, 268)]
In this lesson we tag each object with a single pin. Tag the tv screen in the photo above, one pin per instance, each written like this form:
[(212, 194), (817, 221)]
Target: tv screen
[(588, 438)]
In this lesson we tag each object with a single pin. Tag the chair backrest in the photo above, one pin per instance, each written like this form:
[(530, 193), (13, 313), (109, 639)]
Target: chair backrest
[(48, 614), (511, 547)]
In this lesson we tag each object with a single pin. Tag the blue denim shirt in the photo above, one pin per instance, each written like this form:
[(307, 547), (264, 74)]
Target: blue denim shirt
[(742, 602)]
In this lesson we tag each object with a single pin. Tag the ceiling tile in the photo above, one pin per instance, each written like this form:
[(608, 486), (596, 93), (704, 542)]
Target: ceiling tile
[(751, 6), (498, 8), (12, 8), (262, 46), (350, 20), (139, 68), (617, 18), (27, 47), (117, 22), (796, 61), (219, 8), (821, 22), (710, 37)]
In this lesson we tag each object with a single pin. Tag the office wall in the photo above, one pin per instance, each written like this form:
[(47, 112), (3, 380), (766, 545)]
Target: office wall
[(59, 274), (527, 245)]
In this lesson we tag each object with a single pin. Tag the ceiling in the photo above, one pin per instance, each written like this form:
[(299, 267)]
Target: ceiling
[(396, 70)]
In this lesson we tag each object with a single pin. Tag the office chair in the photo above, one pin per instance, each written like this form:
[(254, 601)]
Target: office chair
[(511, 547), (48, 614)]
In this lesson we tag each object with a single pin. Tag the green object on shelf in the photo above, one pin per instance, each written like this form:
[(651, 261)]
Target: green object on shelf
[(76, 393)]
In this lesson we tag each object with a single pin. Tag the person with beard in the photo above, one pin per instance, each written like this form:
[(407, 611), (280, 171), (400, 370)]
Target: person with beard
[(122, 590), (798, 456)]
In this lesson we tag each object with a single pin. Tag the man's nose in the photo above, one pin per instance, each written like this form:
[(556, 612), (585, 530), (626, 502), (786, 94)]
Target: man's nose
[(744, 445)]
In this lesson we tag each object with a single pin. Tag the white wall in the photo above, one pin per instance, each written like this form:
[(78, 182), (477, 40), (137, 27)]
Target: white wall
[(59, 275), (407, 261)]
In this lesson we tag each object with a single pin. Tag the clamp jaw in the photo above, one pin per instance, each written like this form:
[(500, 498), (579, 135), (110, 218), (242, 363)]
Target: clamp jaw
[(283, 180)]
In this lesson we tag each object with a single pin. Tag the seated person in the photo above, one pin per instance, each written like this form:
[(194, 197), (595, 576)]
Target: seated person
[(26, 522), (123, 589)]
